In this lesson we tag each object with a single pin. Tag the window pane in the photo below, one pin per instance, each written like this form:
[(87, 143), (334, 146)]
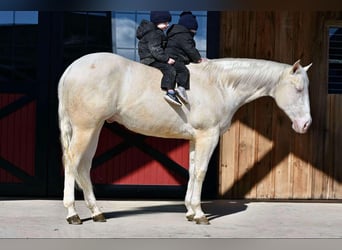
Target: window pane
[(85, 33), (26, 17), (142, 16), (128, 53), (18, 17), (124, 28), (335, 60), (6, 17), (201, 35), (18, 46)]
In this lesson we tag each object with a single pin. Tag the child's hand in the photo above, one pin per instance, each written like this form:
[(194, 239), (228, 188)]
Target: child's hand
[(171, 61)]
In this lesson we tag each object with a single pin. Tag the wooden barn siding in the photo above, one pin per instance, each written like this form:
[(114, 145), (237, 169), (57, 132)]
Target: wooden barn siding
[(17, 138), (261, 156)]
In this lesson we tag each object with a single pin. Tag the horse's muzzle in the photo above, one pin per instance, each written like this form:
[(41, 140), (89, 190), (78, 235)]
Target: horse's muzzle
[(301, 125)]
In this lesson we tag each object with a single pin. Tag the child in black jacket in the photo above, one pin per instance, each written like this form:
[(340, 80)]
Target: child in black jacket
[(151, 49), (182, 47)]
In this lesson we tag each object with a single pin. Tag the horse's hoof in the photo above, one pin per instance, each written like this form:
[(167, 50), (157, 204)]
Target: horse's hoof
[(190, 217), (202, 221), (99, 218), (74, 220)]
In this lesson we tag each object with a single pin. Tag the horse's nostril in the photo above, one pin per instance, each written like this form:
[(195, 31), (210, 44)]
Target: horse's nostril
[(307, 125)]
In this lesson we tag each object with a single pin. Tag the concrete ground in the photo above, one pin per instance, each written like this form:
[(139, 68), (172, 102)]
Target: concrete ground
[(32, 218)]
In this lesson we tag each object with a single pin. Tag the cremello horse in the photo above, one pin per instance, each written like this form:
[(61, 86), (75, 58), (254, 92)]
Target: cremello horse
[(104, 87)]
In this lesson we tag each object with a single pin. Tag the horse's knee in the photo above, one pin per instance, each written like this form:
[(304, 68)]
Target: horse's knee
[(200, 175)]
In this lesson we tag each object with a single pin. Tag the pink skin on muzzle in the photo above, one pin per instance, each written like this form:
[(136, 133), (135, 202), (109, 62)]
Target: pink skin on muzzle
[(301, 125)]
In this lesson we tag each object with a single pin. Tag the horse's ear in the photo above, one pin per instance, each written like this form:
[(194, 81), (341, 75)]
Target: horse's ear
[(298, 84), (306, 68), (296, 66)]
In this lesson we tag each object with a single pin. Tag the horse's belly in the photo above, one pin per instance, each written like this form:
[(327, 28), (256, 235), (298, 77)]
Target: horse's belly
[(155, 127)]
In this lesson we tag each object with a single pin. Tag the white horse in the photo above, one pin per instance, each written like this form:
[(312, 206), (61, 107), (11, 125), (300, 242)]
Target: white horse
[(104, 87)]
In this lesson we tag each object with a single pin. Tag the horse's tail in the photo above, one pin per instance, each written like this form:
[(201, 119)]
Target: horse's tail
[(65, 126)]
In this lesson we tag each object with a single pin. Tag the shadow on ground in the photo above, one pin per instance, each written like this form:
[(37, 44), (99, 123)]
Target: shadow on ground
[(213, 209)]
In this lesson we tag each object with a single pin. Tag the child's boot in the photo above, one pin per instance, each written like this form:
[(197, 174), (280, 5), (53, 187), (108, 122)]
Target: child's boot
[(171, 97), (182, 94)]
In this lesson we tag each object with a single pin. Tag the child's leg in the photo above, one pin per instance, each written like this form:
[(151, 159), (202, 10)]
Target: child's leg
[(183, 75), (168, 81), (169, 75), (182, 79)]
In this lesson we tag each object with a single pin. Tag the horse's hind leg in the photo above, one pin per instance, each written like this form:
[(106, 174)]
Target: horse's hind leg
[(84, 180), (69, 192), (80, 152), (89, 197)]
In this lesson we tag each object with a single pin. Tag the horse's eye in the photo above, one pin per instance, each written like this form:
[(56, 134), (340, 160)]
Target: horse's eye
[(299, 86), (299, 90)]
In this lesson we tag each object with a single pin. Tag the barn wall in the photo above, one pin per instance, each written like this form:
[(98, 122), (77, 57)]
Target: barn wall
[(261, 156)]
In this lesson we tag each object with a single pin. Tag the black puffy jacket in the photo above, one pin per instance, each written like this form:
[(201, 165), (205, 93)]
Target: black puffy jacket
[(152, 42), (181, 45)]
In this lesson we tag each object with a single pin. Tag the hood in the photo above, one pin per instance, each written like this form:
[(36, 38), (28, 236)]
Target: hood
[(144, 28), (176, 29)]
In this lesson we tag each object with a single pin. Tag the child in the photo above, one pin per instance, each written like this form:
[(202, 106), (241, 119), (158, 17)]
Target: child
[(151, 49), (182, 47)]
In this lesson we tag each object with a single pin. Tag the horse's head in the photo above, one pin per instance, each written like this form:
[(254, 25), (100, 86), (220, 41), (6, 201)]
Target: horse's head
[(292, 96)]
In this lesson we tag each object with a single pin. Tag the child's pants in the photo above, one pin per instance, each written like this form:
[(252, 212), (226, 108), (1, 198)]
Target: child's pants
[(173, 73)]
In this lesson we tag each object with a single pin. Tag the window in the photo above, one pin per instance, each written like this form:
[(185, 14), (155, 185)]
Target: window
[(335, 60), (124, 25), (18, 46), (84, 33)]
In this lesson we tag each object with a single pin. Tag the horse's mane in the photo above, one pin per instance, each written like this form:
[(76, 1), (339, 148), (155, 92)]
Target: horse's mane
[(244, 72)]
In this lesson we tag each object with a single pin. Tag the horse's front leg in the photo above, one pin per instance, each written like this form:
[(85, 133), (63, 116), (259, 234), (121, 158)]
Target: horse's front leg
[(190, 214), (205, 144)]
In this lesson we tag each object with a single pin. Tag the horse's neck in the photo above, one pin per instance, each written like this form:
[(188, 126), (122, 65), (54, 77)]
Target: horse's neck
[(249, 79)]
